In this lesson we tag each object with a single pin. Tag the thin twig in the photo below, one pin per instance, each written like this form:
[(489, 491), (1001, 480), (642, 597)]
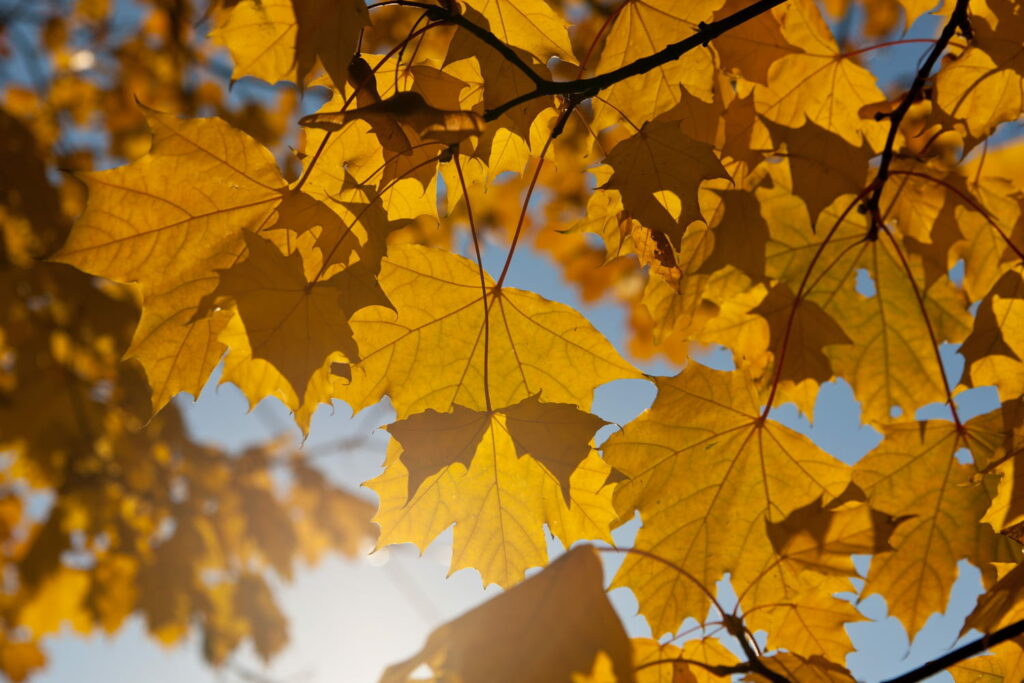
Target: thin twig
[(483, 281), (928, 325)]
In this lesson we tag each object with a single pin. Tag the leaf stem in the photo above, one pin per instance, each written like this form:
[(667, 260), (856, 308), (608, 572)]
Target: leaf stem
[(555, 130), (891, 43), (672, 565), (483, 281), (927, 324), (798, 297), (969, 201), (348, 100)]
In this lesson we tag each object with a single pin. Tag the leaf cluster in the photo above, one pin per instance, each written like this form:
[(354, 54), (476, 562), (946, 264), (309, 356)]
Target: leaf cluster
[(746, 176)]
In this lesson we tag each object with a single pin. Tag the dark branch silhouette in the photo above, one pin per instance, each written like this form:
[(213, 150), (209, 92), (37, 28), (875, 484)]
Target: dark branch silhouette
[(584, 88), (958, 655), (957, 20)]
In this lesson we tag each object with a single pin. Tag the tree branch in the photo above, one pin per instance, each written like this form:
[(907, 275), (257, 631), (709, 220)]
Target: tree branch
[(588, 87), (738, 630), (961, 653), (957, 20), (450, 16)]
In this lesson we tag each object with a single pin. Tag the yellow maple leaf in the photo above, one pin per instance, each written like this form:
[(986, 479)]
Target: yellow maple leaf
[(793, 599), (658, 160), (499, 503), (281, 40), (448, 127), (215, 182), (220, 187), (994, 350), (741, 471), (430, 354), (556, 435), (793, 667), (753, 46), (884, 363), (823, 165), (1005, 663), (529, 25), (819, 84), (984, 86), (914, 471), (997, 437), (641, 28), (294, 322)]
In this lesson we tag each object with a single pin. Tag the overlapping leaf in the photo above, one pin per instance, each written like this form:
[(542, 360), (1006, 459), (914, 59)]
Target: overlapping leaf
[(707, 473), (641, 28), (499, 505), (891, 362), (430, 352), (281, 40), (899, 477)]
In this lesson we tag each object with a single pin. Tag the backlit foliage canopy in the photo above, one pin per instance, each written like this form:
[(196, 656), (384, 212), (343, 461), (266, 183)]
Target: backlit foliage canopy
[(730, 172)]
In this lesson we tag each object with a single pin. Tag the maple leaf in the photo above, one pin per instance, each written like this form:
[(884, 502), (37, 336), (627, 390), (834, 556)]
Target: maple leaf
[(1003, 664), (647, 166), (801, 331), (529, 25), (499, 501), (796, 668), (409, 108), (556, 435), (994, 350), (887, 329), (708, 424), (641, 28), (740, 236), (431, 353), (293, 322), (824, 538), (752, 47), (997, 438), (793, 601), (984, 86), (131, 233), (819, 84), (234, 189), (917, 576), (548, 627), (277, 40), (823, 164)]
